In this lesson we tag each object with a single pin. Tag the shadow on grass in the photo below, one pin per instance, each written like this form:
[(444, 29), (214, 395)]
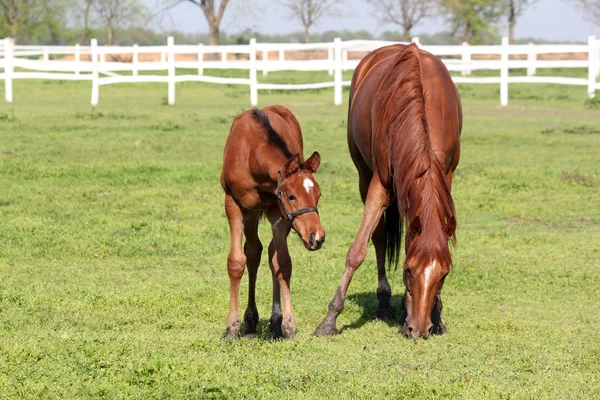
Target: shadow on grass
[(368, 302)]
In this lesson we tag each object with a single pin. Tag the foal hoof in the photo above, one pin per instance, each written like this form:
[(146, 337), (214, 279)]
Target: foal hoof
[(326, 330), (233, 330), (289, 331)]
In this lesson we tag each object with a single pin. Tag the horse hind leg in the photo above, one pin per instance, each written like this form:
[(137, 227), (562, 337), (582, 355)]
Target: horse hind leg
[(384, 291), (236, 263), (252, 249)]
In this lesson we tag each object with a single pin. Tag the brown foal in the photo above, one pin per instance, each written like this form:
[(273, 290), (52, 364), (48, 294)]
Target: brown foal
[(264, 172)]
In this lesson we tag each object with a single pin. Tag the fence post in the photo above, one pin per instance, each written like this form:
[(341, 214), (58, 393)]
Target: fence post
[(253, 80), (265, 59), (95, 86), (504, 72), (465, 58), (330, 60), (77, 59), (46, 55), (592, 66), (8, 69), (171, 69), (223, 56), (200, 59), (531, 60), (416, 41), (134, 60), (337, 78), (281, 55)]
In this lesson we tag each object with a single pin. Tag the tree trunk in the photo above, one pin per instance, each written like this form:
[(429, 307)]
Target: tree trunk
[(512, 21), (109, 35), (14, 26), (214, 32), (406, 35), (306, 34), (86, 22)]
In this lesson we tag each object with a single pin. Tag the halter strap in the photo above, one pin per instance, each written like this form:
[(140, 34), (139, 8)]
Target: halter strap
[(290, 215)]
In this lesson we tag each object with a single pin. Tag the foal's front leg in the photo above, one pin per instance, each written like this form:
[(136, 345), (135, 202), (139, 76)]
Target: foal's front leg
[(236, 263), (281, 267)]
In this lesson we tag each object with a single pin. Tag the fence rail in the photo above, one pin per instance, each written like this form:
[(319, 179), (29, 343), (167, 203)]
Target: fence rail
[(102, 64)]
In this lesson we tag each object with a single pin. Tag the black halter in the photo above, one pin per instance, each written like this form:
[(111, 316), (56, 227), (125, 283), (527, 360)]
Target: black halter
[(290, 215)]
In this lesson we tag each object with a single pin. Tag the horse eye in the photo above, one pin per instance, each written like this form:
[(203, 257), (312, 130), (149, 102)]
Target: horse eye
[(291, 197)]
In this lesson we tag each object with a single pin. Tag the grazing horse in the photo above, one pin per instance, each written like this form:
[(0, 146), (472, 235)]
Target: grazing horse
[(264, 172), (404, 124)]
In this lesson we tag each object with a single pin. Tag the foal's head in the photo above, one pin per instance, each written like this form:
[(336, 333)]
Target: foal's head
[(299, 194), (426, 266)]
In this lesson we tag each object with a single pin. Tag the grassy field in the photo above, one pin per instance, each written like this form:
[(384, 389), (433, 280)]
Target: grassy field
[(113, 246)]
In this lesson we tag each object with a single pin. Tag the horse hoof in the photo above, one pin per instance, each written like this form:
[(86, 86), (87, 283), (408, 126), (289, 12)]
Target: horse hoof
[(385, 313), (326, 330), (275, 327), (289, 332)]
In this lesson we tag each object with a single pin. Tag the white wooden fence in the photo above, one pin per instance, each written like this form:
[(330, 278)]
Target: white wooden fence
[(105, 65)]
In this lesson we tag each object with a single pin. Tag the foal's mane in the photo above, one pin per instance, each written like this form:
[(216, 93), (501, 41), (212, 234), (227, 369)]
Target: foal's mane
[(272, 134), (418, 175)]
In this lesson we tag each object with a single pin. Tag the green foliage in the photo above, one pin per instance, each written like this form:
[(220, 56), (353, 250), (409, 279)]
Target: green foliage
[(473, 21), (114, 241)]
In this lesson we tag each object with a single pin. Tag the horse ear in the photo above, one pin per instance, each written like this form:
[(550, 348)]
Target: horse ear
[(414, 228), (290, 166), (450, 227), (313, 162)]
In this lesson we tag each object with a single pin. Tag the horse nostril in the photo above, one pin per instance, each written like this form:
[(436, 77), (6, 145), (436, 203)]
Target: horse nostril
[(323, 238), (311, 239)]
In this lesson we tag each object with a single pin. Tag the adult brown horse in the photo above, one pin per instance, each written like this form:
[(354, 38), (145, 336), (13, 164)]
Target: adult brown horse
[(404, 124), (264, 172)]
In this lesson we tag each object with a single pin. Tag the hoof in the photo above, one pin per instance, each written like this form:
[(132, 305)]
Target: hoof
[(289, 331), (251, 320), (439, 329), (275, 326), (233, 330), (385, 313), (326, 330)]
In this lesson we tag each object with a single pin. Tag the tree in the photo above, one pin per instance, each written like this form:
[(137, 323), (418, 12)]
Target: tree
[(514, 9), (405, 13), (117, 14), (310, 11), (590, 9), (473, 20), (15, 13), (213, 13)]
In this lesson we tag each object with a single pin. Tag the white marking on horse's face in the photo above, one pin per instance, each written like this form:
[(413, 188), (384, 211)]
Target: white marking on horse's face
[(427, 272), (308, 184)]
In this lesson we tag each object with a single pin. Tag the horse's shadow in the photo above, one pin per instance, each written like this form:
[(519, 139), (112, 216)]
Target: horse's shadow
[(368, 301)]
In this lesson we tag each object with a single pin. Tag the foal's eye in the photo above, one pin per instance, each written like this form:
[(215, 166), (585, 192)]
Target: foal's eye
[(291, 197)]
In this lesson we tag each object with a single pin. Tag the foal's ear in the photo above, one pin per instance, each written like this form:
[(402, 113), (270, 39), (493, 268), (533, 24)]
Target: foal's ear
[(450, 227), (313, 162), (291, 166), (414, 228)]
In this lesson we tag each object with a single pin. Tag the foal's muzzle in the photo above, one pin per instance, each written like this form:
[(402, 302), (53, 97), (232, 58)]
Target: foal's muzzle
[(315, 242)]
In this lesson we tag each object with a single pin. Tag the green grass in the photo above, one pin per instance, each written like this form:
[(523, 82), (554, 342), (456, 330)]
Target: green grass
[(113, 246)]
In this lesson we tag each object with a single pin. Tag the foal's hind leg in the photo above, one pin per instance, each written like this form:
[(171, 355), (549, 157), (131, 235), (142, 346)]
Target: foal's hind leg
[(236, 262), (252, 249)]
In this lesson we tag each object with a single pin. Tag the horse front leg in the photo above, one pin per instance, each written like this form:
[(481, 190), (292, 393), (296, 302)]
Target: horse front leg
[(281, 267), (236, 263), (376, 202)]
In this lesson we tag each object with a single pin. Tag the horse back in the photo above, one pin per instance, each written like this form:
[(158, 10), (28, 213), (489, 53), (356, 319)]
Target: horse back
[(366, 138)]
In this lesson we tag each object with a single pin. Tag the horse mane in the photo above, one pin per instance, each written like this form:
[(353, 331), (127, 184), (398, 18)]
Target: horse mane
[(418, 176), (272, 134)]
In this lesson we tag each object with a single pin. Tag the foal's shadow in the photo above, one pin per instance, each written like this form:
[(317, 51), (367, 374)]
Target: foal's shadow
[(368, 301)]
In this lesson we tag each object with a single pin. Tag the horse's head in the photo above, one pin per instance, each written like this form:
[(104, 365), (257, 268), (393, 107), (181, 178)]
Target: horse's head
[(298, 195), (426, 266)]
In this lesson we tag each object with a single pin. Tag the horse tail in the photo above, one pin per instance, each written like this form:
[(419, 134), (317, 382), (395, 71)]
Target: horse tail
[(393, 231), (272, 134)]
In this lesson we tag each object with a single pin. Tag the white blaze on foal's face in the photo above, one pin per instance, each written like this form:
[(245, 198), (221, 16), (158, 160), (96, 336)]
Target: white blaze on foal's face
[(308, 184)]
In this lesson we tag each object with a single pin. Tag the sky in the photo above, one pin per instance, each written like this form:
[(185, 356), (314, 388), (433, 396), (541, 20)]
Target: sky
[(548, 19)]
